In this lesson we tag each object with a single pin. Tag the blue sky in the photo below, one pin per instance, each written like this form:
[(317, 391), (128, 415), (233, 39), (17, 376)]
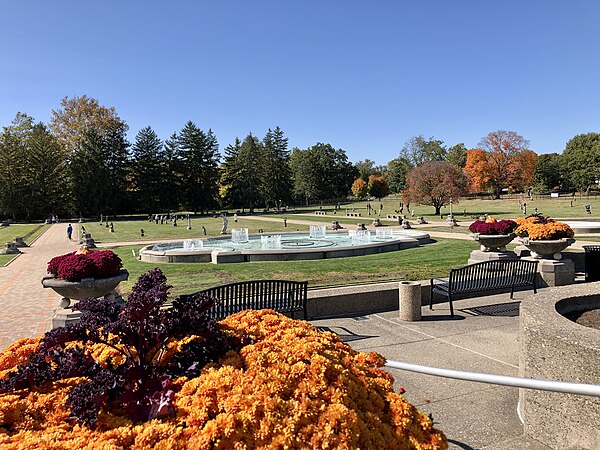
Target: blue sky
[(363, 76)]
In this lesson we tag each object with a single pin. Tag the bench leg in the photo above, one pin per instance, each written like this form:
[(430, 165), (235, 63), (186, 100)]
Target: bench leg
[(431, 295), (451, 308), (512, 292)]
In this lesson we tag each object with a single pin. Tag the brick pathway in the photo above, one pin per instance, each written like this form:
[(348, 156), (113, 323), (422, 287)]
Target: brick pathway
[(26, 307)]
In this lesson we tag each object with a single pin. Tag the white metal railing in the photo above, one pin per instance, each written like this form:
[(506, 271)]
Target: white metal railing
[(565, 387)]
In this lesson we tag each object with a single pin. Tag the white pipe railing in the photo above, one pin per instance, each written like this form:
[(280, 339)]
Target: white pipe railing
[(565, 387)]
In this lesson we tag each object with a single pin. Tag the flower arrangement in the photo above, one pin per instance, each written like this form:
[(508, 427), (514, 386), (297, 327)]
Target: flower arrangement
[(493, 227), (538, 227), (256, 380), (75, 266)]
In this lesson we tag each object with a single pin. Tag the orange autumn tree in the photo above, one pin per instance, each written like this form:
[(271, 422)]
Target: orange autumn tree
[(502, 160), (360, 188)]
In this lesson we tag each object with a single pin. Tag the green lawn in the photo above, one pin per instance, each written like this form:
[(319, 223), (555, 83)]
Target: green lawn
[(434, 259), (29, 231), (505, 208), (130, 231)]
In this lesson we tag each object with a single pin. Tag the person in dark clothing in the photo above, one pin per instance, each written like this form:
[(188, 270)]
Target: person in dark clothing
[(70, 231)]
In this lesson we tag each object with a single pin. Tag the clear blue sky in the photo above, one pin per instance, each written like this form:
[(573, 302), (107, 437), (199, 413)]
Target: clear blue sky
[(363, 76)]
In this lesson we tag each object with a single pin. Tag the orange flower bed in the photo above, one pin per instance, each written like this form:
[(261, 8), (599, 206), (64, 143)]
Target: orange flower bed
[(542, 228), (294, 387)]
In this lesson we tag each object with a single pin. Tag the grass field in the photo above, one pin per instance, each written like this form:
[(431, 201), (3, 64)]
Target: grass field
[(29, 231), (505, 208)]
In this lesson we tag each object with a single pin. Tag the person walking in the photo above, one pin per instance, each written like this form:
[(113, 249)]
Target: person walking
[(69, 231)]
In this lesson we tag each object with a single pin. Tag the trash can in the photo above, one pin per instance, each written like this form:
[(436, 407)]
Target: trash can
[(410, 301), (592, 262)]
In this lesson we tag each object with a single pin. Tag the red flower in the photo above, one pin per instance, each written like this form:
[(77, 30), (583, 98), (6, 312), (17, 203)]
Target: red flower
[(74, 266), (499, 227)]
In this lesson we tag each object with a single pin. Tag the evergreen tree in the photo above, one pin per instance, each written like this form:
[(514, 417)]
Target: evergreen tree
[(276, 186), (13, 163), (47, 173), (115, 150), (251, 172), (198, 153), (171, 193), (146, 170), (231, 188), (89, 175)]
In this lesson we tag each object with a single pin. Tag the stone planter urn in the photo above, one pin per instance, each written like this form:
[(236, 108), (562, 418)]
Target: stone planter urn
[(493, 242), (87, 287), (548, 249)]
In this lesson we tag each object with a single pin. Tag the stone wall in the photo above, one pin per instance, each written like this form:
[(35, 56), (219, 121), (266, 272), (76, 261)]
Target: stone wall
[(553, 347)]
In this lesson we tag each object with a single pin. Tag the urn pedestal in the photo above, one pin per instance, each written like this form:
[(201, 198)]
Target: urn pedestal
[(76, 290)]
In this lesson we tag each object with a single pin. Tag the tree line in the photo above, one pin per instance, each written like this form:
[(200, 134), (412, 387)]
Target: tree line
[(81, 163)]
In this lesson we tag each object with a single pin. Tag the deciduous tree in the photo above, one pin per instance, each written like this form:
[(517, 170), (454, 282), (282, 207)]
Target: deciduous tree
[(378, 187), (419, 150), (321, 172), (79, 115), (457, 155), (396, 175), (547, 172), (434, 183), (580, 161), (360, 188), (503, 160)]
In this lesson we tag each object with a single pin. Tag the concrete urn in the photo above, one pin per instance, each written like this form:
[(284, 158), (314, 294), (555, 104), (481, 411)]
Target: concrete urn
[(548, 249), (493, 242), (87, 287)]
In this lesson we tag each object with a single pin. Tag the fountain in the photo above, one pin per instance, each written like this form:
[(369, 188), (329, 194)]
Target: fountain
[(282, 247), (383, 233), (360, 237), (270, 242), (239, 235), (317, 231), (193, 244)]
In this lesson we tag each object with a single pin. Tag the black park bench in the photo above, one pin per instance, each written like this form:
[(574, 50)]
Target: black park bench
[(486, 276), (282, 296)]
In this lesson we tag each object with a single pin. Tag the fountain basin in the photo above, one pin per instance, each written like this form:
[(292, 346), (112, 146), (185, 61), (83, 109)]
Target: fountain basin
[(294, 247)]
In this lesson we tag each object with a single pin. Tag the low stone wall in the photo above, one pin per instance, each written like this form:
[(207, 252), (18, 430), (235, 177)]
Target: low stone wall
[(555, 348), (358, 300)]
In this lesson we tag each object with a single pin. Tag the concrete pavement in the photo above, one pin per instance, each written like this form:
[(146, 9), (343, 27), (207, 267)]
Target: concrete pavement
[(482, 337)]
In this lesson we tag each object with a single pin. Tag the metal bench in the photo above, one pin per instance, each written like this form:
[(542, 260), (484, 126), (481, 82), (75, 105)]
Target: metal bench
[(485, 276), (279, 295)]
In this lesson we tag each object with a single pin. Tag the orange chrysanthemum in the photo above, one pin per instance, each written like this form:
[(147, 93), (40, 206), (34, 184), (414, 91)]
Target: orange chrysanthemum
[(295, 387)]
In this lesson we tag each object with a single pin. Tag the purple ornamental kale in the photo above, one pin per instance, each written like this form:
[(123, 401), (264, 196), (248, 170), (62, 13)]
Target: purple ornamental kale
[(140, 330)]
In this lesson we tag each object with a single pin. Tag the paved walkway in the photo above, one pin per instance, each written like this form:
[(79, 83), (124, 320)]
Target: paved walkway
[(26, 306), (481, 337)]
